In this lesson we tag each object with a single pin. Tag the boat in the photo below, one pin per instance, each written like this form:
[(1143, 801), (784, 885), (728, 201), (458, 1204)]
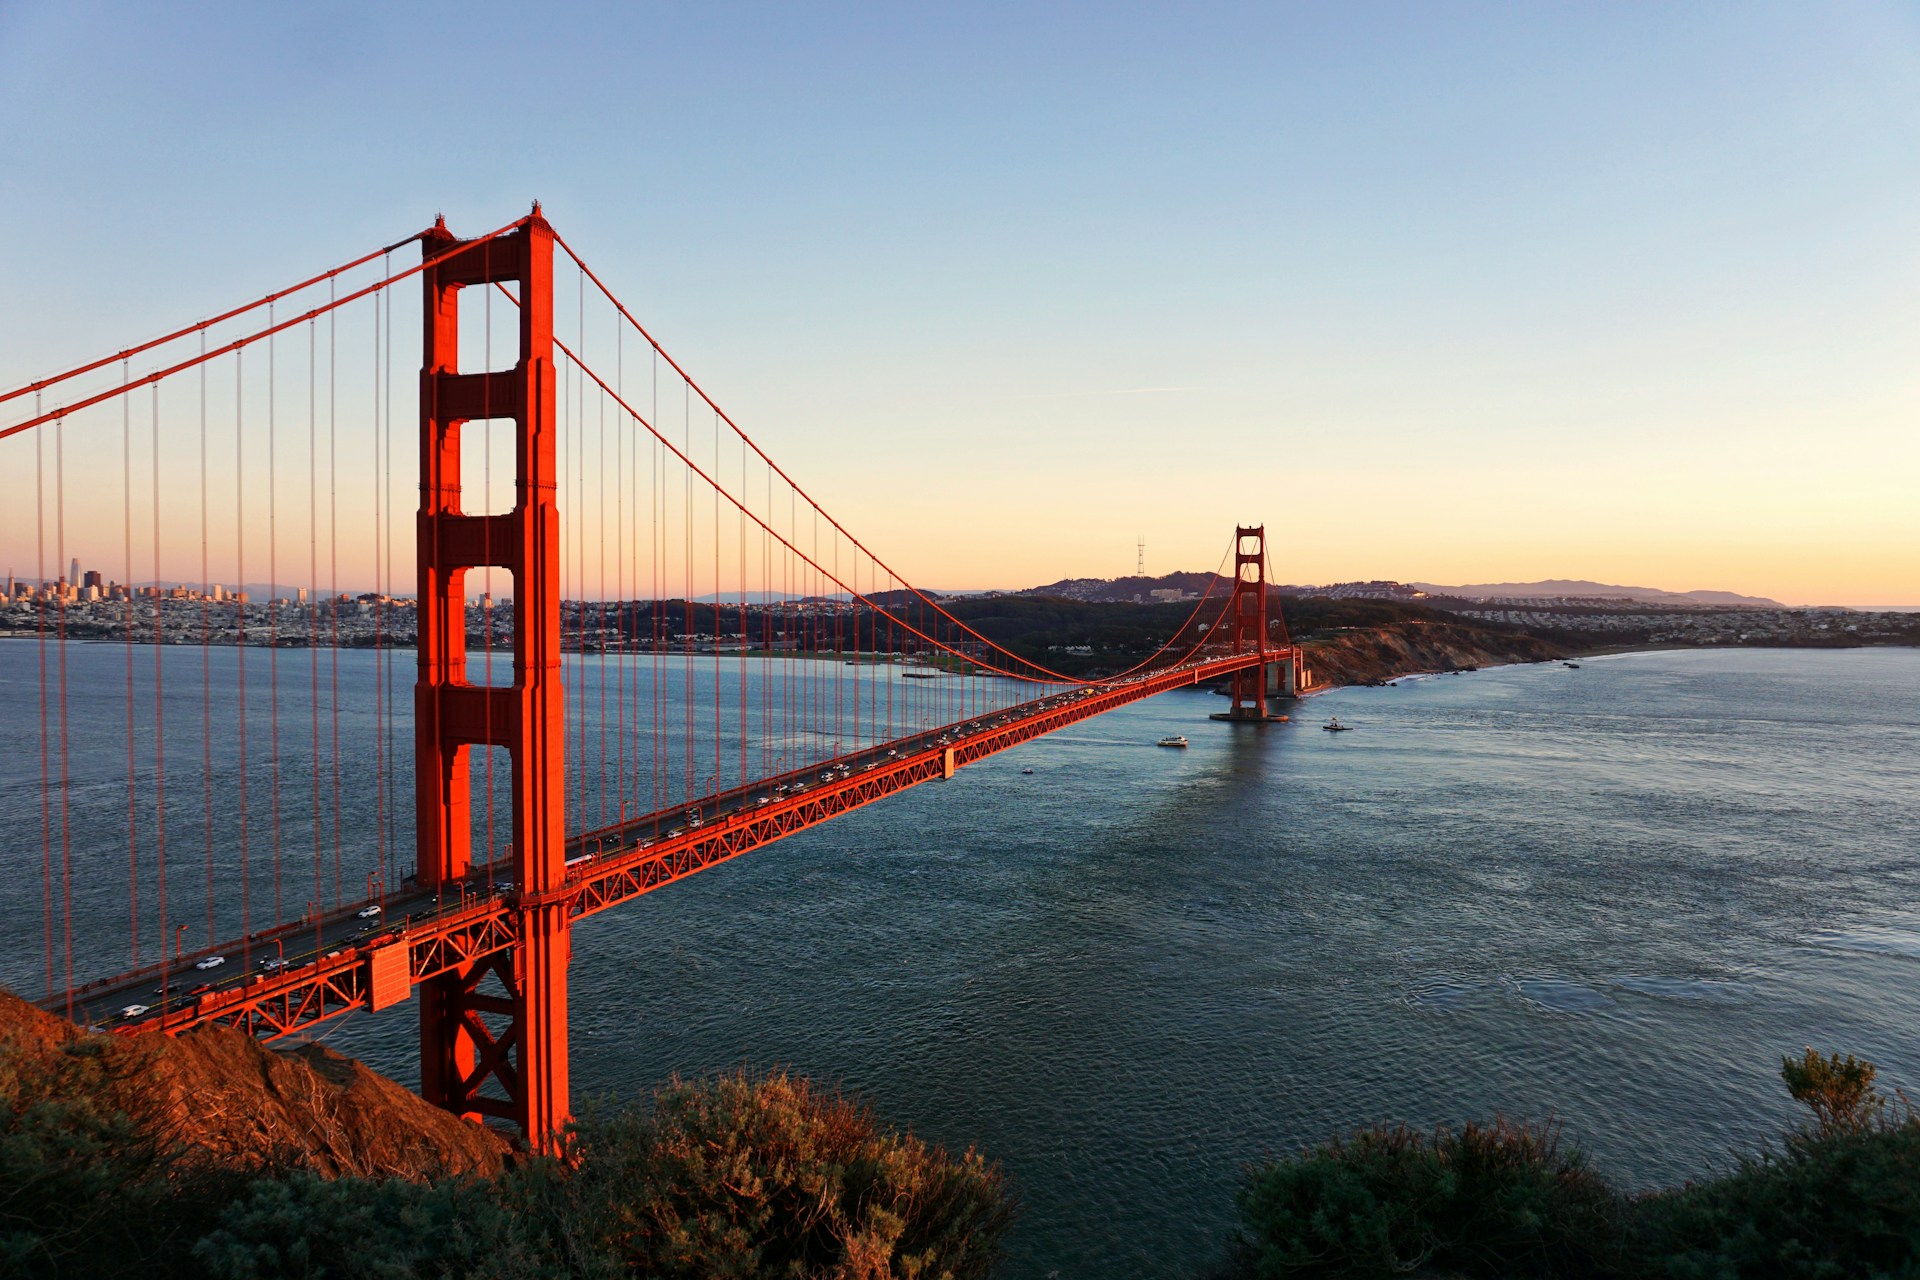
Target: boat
[(1026, 771), (1334, 726), (920, 675), (1172, 740), (1571, 665)]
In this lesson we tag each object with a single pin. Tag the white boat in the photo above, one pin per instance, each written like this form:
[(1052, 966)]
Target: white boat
[(1172, 740), (1334, 726)]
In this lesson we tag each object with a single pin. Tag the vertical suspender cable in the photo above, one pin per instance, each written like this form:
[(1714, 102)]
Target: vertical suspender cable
[(486, 538), (333, 579), (313, 590), (743, 662), (206, 653), (686, 582), (380, 589), (240, 615), (715, 785), (273, 606), (41, 598), (601, 523), (620, 582), (387, 655), (159, 703), (657, 563), (66, 785), (126, 525)]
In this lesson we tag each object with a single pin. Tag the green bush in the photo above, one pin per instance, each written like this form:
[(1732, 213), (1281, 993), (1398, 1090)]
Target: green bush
[(1834, 1206), (772, 1177), (1841, 1199), (1838, 1200), (359, 1229), (1498, 1200)]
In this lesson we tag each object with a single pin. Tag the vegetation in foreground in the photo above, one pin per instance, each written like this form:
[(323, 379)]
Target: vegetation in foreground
[(737, 1177), (1839, 1200), (768, 1176)]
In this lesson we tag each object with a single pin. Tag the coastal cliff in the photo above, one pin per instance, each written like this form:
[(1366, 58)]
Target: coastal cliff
[(1368, 655)]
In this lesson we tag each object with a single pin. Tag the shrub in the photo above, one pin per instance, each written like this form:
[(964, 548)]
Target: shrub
[(772, 1177), (1841, 1199), (1839, 1092), (306, 1226), (1485, 1200)]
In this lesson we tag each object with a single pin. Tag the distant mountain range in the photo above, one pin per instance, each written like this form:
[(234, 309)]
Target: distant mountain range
[(1193, 584), (1569, 587)]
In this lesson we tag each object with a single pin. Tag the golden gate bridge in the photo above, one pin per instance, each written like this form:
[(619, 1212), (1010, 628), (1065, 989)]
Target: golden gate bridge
[(687, 674)]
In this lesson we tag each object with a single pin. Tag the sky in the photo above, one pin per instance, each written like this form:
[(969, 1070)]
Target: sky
[(1437, 292)]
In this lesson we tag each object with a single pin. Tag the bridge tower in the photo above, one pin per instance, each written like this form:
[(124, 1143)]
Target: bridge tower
[(1247, 611), (513, 1067)]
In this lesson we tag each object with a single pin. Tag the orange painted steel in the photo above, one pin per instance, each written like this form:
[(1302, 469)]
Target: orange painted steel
[(462, 1053), (1247, 612)]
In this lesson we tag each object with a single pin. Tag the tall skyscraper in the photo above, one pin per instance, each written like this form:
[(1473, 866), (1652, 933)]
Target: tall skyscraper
[(74, 576)]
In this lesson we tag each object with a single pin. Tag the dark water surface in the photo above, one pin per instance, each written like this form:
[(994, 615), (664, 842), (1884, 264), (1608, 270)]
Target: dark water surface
[(1616, 894)]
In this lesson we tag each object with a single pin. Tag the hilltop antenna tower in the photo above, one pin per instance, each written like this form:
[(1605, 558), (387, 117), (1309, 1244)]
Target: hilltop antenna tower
[(1140, 564)]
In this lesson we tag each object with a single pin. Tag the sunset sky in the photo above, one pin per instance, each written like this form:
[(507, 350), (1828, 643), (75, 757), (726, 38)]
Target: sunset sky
[(1439, 292)]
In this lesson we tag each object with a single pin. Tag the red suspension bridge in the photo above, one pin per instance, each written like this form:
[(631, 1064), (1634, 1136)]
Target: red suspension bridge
[(686, 658)]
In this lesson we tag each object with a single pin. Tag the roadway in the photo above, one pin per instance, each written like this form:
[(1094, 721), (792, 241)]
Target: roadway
[(604, 866)]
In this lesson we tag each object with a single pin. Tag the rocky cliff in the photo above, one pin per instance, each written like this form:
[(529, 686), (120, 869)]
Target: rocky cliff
[(1367, 655)]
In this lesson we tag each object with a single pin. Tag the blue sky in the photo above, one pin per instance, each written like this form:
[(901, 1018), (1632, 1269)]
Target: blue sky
[(1441, 292)]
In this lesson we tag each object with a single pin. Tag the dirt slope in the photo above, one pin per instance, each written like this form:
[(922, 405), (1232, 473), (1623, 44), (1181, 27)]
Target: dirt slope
[(225, 1097)]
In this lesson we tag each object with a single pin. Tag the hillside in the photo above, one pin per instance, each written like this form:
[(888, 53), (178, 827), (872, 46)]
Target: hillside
[(1368, 655), (222, 1097), (1571, 588)]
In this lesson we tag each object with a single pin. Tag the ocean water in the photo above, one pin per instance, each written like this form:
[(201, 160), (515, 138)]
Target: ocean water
[(1614, 895)]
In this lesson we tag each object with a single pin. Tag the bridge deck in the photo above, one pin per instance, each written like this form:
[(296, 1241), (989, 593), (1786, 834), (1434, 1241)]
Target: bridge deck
[(345, 961)]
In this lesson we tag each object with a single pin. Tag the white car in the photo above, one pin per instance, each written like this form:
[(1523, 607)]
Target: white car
[(272, 963), (133, 1010), (369, 913), (211, 962)]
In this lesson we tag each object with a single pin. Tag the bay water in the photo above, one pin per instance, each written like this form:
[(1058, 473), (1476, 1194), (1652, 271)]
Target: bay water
[(1614, 895)]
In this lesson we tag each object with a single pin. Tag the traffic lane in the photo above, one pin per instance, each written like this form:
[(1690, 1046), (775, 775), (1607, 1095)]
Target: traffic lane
[(184, 983)]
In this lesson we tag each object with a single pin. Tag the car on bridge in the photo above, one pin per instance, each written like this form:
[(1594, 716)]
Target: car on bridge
[(211, 962), (133, 1010), (370, 912)]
